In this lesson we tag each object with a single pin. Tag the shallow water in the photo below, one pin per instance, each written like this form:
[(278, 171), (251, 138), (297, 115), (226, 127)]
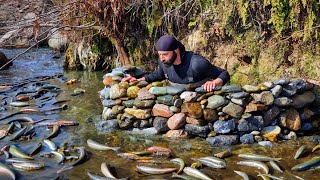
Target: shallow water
[(86, 108)]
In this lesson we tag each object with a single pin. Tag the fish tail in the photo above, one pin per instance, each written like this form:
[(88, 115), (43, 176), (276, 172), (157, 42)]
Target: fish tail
[(278, 159), (116, 149)]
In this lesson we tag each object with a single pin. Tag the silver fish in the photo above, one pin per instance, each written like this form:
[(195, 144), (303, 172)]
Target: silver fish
[(6, 170), (307, 165), (258, 157), (95, 145), (50, 144), (152, 170), (275, 166), (17, 160), (59, 155), (271, 176), (303, 149), (28, 165), (105, 171), (180, 162), (256, 164), (185, 177), (242, 174), (19, 104), (196, 173)]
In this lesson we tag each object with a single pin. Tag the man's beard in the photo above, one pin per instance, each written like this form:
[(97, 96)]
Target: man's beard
[(171, 60)]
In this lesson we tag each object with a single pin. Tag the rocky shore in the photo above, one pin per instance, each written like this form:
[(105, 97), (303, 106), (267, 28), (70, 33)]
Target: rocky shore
[(278, 110)]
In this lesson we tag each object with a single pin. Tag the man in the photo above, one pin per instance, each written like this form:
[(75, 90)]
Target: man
[(182, 67)]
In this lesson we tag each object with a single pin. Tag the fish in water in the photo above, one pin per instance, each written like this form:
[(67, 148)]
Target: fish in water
[(95, 145)]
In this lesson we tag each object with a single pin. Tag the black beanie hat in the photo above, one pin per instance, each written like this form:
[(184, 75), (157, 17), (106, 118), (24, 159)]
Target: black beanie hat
[(167, 43)]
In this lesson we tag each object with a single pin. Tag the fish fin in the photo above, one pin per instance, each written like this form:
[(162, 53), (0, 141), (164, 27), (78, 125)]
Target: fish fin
[(116, 149)]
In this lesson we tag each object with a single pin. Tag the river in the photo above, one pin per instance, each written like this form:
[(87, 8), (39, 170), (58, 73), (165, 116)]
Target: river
[(86, 108)]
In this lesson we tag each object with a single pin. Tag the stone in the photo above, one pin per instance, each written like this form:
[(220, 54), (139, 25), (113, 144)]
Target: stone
[(306, 126), (283, 101), (252, 123), (145, 131), (108, 126), (268, 84), (231, 89), (216, 101), (107, 114), (195, 121), (306, 114), (57, 40), (128, 103), (132, 92), (125, 123), (239, 95), (158, 91), (202, 91), (172, 90), (108, 103), (247, 139), (192, 109), (290, 119), (161, 110), (105, 93), (205, 96), (276, 91), (179, 133), (138, 113), (301, 85), (144, 94), (4, 60), (177, 103), (166, 99), (144, 124), (196, 130), (177, 121), (143, 103), (117, 92), (265, 97), (265, 144), (270, 114), (189, 96), (142, 84), (240, 102), (174, 109), (224, 127), (210, 115), (117, 109), (233, 110), (301, 100), (251, 89), (288, 91), (271, 130), (160, 124), (281, 81), (223, 140), (291, 136)]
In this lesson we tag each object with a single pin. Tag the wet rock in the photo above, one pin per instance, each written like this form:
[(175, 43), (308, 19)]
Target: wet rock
[(265, 144), (290, 119), (276, 91), (231, 89), (265, 97), (291, 136), (108, 126), (195, 121), (117, 109), (270, 115), (306, 114), (4, 60), (210, 115), (144, 94), (145, 131), (132, 92), (107, 114), (176, 121), (253, 107), (275, 130), (224, 127), (108, 103), (160, 124), (223, 140), (192, 109), (166, 99), (158, 91), (239, 95), (196, 130), (281, 81), (161, 110), (299, 101), (247, 139), (143, 103), (116, 91), (178, 102), (189, 96), (233, 110), (251, 89), (126, 123), (283, 101), (172, 90), (178, 133), (138, 113), (128, 103), (216, 101)]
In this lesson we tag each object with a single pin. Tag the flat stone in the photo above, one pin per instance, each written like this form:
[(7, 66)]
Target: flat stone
[(108, 103), (290, 119), (283, 101), (174, 109), (160, 124), (107, 126), (192, 109), (210, 115), (233, 110), (270, 114), (301, 85), (144, 94), (175, 90), (264, 97), (116, 91), (105, 93), (276, 91), (281, 82), (216, 101), (128, 103), (271, 130), (166, 99), (189, 96), (158, 91), (143, 103), (197, 130), (132, 92), (223, 140), (240, 102), (268, 84), (231, 89), (161, 110), (179, 133), (301, 100), (239, 95), (195, 121), (145, 131), (224, 127), (142, 84), (251, 89), (177, 121), (107, 114), (247, 139), (139, 113)]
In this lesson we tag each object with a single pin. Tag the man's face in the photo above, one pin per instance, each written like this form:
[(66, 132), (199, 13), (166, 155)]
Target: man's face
[(167, 57)]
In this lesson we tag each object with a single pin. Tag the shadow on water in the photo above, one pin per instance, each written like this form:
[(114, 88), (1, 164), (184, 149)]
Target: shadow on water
[(86, 108)]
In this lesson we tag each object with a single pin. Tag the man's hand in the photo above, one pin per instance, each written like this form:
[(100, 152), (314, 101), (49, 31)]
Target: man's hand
[(131, 79), (209, 85)]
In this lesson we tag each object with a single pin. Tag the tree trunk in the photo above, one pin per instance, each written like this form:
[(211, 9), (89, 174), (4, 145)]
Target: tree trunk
[(123, 55)]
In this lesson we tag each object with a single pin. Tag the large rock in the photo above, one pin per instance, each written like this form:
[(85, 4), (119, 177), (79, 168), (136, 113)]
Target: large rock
[(224, 127), (58, 40), (178, 133), (161, 110), (196, 130), (138, 113), (192, 109), (290, 119), (303, 99), (233, 110), (176, 121), (216, 101), (160, 123), (108, 126), (270, 114), (223, 140), (144, 94), (4, 60)]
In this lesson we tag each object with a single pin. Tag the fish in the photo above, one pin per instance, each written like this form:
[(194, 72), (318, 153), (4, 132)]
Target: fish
[(271, 176), (95, 145), (258, 157), (96, 177), (19, 104), (196, 173), (14, 151), (63, 123), (159, 149), (307, 164), (24, 119), (180, 162), (315, 148), (185, 177), (242, 174), (36, 149), (59, 155), (54, 131), (81, 158), (18, 160), (4, 148), (275, 166), (152, 170), (28, 165), (133, 156), (50, 144), (7, 170), (302, 150), (29, 110), (256, 164), (3, 133), (106, 171), (215, 160)]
